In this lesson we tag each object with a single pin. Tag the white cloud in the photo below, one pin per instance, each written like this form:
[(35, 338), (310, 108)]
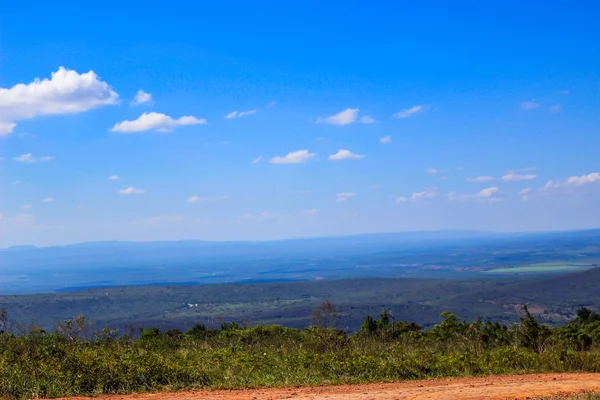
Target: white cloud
[(6, 128), (424, 195), (343, 154), (18, 221), (257, 160), (310, 212), (294, 157), (239, 114), (524, 193), (196, 199), (574, 181), (132, 190), (26, 206), (401, 199), (514, 177), (346, 117), (433, 171), (28, 158), (488, 192), (556, 108), (342, 197), (385, 139), (156, 121), (114, 177), (409, 112), (480, 179), (48, 200), (66, 92), (141, 97), (490, 195), (529, 105)]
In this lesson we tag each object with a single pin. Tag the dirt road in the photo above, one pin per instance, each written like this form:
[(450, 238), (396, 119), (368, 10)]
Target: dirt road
[(492, 387)]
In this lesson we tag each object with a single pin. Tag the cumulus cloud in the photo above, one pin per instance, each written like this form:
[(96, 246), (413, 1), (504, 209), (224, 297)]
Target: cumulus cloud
[(342, 197), (529, 105), (294, 157), (48, 200), (479, 179), (66, 92), (141, 97), (114, 177), (28, 158), (574, 181), (155, 121), (343, 154), (240, 114), (515, 177), (132, 190), (196, 199), (409, 112), (385, 139), (6, 128)]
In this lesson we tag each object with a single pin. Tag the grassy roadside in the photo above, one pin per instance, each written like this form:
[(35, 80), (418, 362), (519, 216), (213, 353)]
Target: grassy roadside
[(71, 361)]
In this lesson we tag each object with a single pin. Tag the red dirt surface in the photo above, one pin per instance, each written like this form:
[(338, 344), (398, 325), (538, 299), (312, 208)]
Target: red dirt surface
[(489, 388)]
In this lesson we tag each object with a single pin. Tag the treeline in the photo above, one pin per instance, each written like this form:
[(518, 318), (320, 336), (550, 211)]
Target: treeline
[(72, 360)]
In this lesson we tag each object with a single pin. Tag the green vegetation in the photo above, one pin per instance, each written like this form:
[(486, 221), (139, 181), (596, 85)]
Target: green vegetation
[(74, 361), (536, 268)]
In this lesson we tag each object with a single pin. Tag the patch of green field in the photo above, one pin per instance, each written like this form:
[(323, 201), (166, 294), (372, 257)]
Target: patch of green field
[(535, 268)]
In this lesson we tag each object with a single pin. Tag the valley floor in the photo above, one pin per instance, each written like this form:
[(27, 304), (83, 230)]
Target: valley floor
[(532, 386)]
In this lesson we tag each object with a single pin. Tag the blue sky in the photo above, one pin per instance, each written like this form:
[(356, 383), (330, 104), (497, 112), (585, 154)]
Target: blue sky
[(344, 117)]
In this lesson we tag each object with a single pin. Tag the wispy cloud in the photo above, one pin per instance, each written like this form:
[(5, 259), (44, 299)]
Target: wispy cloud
[(409, 112), (515, 177), (529, 105), (479, 179), (294, 157), (155, 121), (345, 117), (418, 196), (525, 193), (28, 158), (271, 104), (48, 200), (26, 206), (141, 97), (196, 199), (343, 197), (433, 171), (555, 108), (488, 195), (257, 160), (66, 92), (385, 139), (343, 154), (240, 114), (132, 190), (114, 178)]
